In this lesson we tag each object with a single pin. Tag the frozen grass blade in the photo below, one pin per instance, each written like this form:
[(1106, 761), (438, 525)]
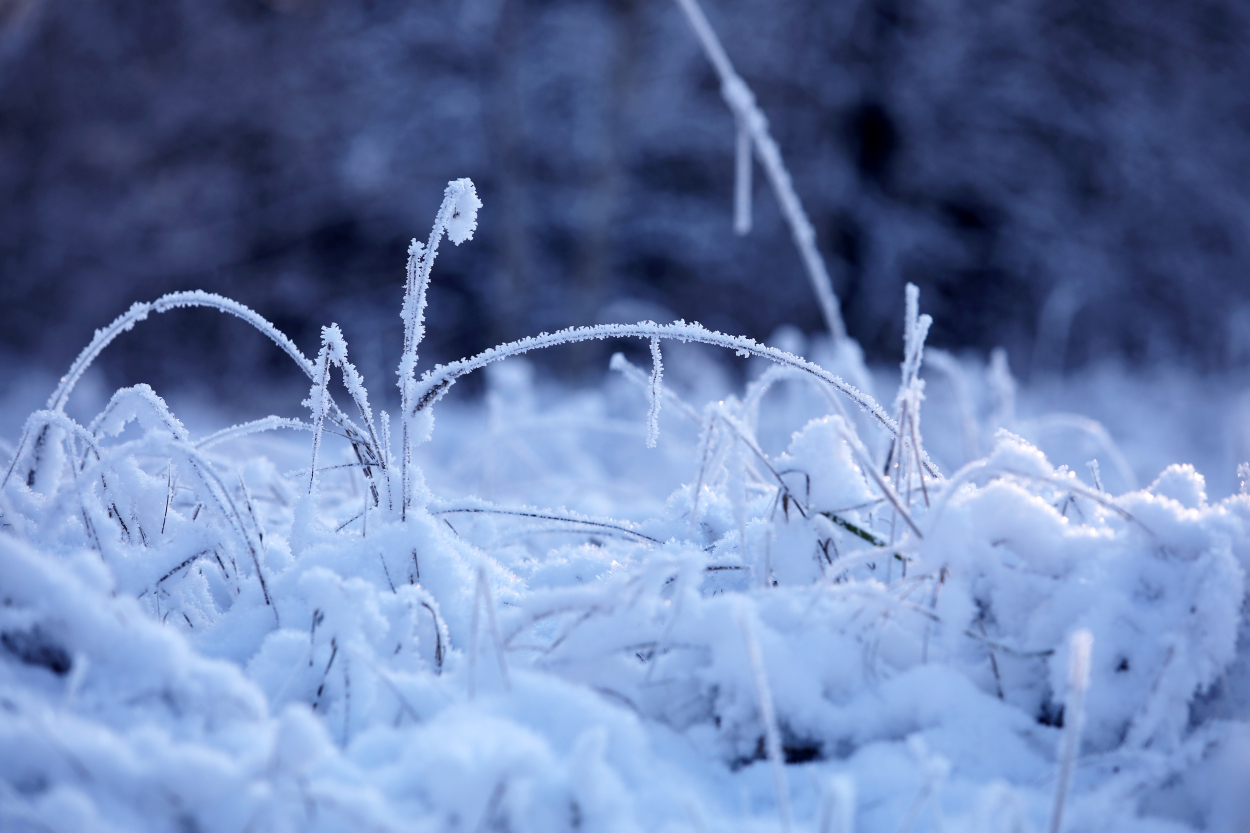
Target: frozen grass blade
[(385, 451), (37, 423), (906, 451), (751, 120), (706, 444), (457, 218), (189, 300), (175, 300), (738, 497), (1095, 474), (837, 805), (472, 506), (655, 394), (1002, 387), (934, 770), (318, 402), (256, 426), (1092, 428), (368, 453), (742, 182), (772, 735), (760, 386), (865, 463), (435, 383), (482, 598), (1079, 646)]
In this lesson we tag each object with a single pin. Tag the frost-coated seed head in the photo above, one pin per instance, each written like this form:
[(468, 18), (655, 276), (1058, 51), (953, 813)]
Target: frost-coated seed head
[(463, 221), (332, 338)]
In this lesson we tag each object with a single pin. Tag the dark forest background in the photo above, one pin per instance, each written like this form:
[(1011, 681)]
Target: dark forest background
[(1069, 179)]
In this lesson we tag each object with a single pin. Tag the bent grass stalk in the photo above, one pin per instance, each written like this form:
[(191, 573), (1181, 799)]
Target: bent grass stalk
[(256, 426), (457, 217), (751, 121), (435, 383), (140, 311)]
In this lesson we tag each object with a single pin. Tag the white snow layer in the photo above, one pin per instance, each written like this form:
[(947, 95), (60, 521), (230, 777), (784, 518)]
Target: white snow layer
[(150, 680)]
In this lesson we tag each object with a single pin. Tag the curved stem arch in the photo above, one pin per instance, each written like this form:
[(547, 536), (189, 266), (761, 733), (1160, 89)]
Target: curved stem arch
[(434, 383), (174, 300)]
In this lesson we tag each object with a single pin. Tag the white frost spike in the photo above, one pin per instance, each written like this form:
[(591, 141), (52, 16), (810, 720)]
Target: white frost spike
[(915, 331), (1079, 649), (482, 598), (655, 394), (907, 451), (463, 220)]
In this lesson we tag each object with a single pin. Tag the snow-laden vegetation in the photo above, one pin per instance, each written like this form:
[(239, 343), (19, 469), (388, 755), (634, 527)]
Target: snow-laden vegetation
[(621, 609), (785, 615)]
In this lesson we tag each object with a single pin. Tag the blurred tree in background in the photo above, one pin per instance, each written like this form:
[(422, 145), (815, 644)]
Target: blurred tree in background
[(1067, 178)]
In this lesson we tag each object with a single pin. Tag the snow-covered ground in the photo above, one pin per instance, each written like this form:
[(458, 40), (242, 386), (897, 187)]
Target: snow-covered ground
[(665, 602), (743, 628)]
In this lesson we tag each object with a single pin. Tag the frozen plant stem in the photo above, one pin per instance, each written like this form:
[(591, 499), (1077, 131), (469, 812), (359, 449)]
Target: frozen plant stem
[(742, 182), (655, 394), (865, 463), (482, 598), (837, 805), (318, 399), (1079, 647), (457, 217), (752, 122), (435, 382), (1095, 474), (906, 451), (772, 736)]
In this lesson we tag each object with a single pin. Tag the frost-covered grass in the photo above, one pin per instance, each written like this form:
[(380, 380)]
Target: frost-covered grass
[(648, 606), (786, 614)]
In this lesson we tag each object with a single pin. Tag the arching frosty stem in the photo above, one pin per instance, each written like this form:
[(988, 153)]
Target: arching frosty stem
[(188, 300), (175, 300), (434, 383)]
